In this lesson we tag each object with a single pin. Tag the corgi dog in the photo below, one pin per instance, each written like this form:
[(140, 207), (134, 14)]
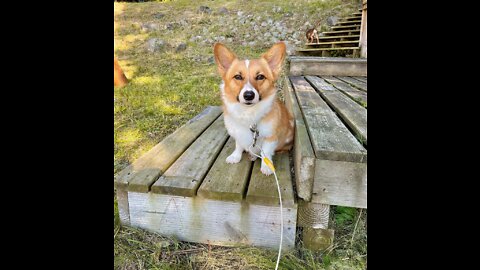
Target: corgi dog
[(252, 112)]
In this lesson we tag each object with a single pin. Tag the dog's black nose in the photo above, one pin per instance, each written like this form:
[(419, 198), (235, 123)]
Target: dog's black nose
[(249, 95)]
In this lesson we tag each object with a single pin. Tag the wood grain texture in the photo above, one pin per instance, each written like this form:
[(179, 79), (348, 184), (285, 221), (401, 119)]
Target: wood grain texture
[(186, 174), (144, 171), (317, 239), (224, 181), (304, 157), (262, 189), (341, 66), (360, 78), (359, 96), (123, 209), (353, 114), (313, 215), (340, 183), (356, 83), (330, 138), (213, 222)]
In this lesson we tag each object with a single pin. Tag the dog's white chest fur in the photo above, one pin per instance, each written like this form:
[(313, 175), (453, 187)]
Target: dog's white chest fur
[(240, 117)]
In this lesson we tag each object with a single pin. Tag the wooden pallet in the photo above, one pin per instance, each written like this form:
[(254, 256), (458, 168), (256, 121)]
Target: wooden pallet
[(184, 188)]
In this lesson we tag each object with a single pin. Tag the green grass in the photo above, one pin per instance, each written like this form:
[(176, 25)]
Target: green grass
[(166, 89)]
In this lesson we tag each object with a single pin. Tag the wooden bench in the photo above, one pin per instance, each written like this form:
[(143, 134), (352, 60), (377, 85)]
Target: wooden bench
[(184, 188)]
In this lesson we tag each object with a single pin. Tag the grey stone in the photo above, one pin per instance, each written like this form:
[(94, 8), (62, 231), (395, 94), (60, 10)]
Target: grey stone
[(181, 47), (158, 15), (196, 38), (332, 20), (149, 26), (223, 10), (240, 13), (169, 26), (205, 9), (290, 48), (211, 60), (264, 24), (288, 14), (252, 43), (155, 45), (270, 21), (229, 40)]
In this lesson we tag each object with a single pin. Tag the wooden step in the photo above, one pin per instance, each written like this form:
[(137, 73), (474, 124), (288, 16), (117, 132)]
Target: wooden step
[(334, 44), (350, 22), (350, 18), (343, 27), (341, 32), (340, 37), (357, 14), (326, 49), (308, 65)]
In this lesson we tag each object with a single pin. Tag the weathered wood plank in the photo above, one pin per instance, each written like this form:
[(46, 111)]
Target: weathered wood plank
[(123, 210), (224, 181), (360, 78), (341, 66), (263, 189), (187, 172), (330, 138), (144, 171), (317, 239), (213, 222), (303, 156), (340, 183), (359, 96), (351, 112), (314, 215), (356, 83)]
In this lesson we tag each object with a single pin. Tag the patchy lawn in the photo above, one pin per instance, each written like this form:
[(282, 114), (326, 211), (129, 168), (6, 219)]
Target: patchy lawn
[(168, 87)]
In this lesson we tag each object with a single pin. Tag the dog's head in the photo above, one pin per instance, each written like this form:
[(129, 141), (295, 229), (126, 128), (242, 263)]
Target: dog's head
[(249, 81)]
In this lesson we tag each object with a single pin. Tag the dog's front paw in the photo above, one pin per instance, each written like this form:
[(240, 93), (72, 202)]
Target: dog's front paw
[(233, 158), (265, 169)]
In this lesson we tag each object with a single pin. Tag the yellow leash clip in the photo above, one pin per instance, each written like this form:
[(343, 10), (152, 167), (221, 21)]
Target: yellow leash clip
[(269, 163)]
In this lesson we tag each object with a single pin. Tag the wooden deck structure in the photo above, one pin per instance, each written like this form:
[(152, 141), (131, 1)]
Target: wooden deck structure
[(184, 188), (349, 35)]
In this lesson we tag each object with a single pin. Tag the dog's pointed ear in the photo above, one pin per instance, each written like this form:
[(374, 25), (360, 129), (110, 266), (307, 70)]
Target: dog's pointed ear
[(275, 56), (223, 57)]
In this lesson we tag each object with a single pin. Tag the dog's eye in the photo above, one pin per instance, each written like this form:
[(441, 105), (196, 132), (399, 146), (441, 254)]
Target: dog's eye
[(260, 77), (238, 77)]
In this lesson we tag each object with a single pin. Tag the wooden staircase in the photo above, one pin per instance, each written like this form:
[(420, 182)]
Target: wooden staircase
[(343, 39)]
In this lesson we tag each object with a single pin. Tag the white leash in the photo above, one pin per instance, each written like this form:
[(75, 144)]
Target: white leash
[(270, 165)]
